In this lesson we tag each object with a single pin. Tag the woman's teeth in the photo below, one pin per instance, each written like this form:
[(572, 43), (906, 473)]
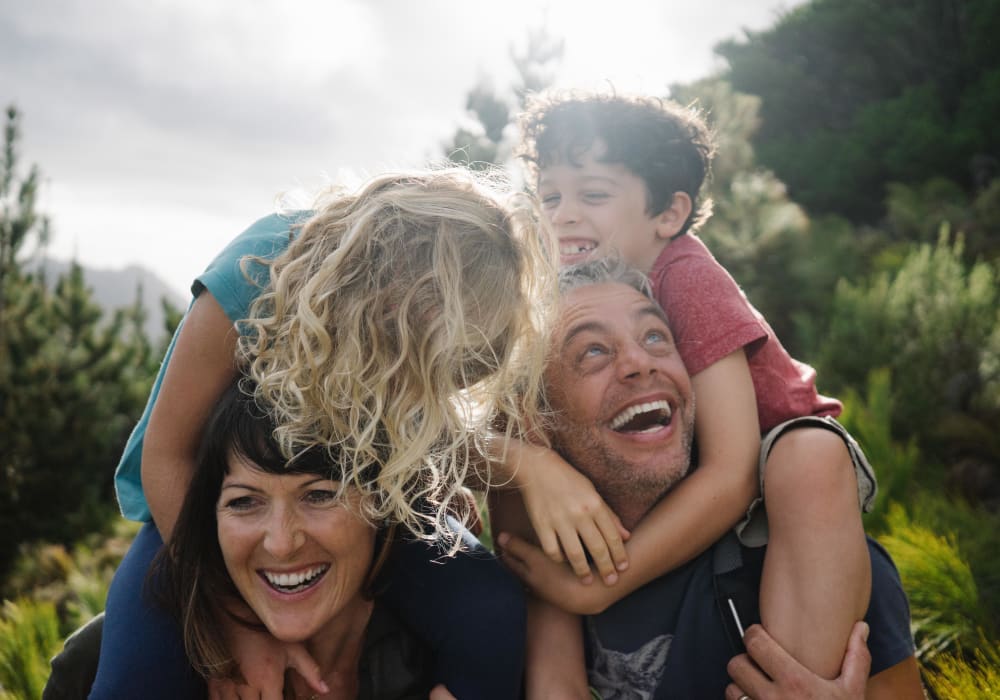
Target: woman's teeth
[(296, 581)]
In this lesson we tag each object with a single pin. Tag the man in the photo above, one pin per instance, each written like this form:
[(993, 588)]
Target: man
[(623, 411)]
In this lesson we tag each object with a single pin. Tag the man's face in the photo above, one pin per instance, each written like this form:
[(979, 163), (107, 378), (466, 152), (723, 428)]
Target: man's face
[(597, 209), (623, 399)]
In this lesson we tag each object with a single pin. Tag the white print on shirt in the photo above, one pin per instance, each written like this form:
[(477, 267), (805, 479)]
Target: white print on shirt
[(634, 676)]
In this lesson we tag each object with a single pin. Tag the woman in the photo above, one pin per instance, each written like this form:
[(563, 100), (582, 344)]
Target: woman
[(370, 324), (293, 555)]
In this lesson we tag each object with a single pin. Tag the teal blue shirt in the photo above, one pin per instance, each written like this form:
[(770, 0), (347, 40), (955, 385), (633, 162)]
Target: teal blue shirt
[(225, 280)]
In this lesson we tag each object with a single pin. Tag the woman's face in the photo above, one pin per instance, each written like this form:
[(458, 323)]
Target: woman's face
[(296, 554)]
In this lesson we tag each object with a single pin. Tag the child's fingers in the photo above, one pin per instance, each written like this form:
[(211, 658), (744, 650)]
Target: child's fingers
[(515, 551), (575, 554), (440, 692), (600, 554), (548, 540), (611, 530), (300, 659)]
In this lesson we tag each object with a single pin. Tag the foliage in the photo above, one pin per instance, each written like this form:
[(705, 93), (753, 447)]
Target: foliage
[(72, 384), (486, 140), (933, 319), (944, 601), (952, 676), (915, 213), (975, 531), (859, 93), (753, 222), (869, 420), (75, 580), (29, 636)]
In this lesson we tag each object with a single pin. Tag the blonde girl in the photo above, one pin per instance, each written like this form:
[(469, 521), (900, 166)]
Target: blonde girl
[(384, 325)]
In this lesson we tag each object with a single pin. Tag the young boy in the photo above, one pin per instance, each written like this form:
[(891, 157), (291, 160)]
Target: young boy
[(620, 175)]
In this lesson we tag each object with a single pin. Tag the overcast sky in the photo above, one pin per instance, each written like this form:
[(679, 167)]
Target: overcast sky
[(164, 127)]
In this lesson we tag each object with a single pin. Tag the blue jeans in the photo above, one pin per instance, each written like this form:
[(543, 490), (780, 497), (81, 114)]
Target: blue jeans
[(467, 608)]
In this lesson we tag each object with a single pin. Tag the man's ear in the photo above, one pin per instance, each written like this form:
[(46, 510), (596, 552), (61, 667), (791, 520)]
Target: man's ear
[(671, 220)]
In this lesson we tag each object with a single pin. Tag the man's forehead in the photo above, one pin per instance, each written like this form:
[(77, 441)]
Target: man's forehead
[(598, 306)]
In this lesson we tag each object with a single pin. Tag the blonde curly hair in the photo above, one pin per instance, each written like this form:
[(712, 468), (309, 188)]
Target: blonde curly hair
[(400, 325)]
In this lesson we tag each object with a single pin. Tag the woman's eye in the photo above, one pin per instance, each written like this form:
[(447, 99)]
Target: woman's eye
[(656, 337), (593, 351), (550, 200), (241, 503), (319, 497)]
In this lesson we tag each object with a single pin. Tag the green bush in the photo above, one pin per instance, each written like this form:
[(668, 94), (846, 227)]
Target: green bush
[(944, 600), (955, 678), (29, 637), (932, 323), (869, 420)]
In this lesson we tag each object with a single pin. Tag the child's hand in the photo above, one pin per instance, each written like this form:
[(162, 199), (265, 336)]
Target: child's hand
[(552, 582), (568, 515), (262, 661)]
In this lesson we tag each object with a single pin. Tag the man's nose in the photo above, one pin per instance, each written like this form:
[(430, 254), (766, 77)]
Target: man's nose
[(635, 361)]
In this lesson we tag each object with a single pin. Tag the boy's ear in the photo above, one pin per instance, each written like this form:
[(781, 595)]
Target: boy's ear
[(671, 220)]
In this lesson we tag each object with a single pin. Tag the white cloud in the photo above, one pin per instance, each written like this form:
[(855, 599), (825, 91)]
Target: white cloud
[(164, 127)]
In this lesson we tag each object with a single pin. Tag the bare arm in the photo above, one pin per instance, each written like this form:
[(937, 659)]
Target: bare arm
[(554, 659), (694, 515), (566, 514), (712, 498), (202, 365), (768, 672)]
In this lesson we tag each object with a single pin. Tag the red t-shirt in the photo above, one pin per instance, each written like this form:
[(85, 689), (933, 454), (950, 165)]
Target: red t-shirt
[(711, 317)]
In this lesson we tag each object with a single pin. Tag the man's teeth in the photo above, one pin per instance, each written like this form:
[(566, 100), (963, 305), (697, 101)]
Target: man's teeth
[(297, 579), (632, 411)]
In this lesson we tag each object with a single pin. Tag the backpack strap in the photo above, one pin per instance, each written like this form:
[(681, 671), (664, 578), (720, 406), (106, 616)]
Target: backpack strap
[(736, 579)]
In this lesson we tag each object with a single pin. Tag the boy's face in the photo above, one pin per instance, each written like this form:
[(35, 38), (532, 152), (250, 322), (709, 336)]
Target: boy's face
[(597, 209)]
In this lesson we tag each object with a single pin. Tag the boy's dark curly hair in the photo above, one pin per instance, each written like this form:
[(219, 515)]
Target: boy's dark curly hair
[(668, 146)]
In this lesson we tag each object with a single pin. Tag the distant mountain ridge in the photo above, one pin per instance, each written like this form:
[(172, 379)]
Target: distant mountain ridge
[(117, 288)]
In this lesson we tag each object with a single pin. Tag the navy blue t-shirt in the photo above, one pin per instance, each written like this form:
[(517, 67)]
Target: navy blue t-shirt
[(667, 639)]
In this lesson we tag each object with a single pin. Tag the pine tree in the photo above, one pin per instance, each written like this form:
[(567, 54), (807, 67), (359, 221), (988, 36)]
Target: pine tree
[(72, 383), (487, 140)]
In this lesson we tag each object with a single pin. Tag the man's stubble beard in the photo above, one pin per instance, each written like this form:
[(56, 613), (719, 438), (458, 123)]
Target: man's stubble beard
[(630, 490)]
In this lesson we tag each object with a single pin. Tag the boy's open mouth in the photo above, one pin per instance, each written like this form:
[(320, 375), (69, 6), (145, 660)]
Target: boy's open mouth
[(576, 247)]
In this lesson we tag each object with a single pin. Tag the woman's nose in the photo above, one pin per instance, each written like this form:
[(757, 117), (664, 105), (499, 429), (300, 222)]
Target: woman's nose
[(284, 535)]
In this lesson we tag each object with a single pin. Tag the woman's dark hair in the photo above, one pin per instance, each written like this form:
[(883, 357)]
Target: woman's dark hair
[(189, 576)]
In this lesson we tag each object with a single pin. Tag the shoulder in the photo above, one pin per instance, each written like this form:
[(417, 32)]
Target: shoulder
[(235, 283), (395, 663), (687, 270)]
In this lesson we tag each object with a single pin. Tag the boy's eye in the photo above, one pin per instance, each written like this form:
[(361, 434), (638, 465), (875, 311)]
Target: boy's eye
[(595, 196)]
